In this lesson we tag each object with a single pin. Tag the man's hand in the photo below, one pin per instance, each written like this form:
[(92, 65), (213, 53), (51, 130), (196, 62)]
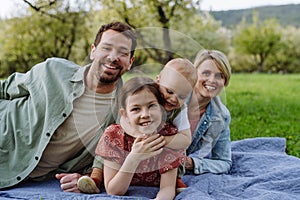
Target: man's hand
[(68, 182)]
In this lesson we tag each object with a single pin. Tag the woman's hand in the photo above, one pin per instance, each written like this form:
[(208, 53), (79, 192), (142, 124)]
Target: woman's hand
[(189, 163)]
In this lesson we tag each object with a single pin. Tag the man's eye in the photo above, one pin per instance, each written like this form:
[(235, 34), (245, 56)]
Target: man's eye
[(124, 53)]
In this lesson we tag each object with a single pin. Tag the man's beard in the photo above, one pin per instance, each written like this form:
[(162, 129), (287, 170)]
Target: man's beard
[(109, 80)]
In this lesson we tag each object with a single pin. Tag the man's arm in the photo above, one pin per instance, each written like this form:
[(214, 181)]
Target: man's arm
[(14, 86)]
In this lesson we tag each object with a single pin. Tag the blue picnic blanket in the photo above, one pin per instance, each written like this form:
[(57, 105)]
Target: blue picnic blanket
[(261, 170)]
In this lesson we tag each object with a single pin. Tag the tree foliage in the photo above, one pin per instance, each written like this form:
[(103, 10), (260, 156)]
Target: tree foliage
[(260, 40), (165, 29), (48, 31), (286, 59)]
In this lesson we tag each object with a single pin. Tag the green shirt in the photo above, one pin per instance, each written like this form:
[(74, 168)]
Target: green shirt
[(32, 106)]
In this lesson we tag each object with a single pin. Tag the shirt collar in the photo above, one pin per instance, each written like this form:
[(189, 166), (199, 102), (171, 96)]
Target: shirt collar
[(79, 75)]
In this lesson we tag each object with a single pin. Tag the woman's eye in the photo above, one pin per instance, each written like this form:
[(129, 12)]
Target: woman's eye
[(219, 76), (106, 48), (206, 73)]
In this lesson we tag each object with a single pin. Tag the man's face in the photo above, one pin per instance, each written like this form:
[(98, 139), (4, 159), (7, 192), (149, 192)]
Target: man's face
[(111, 57)]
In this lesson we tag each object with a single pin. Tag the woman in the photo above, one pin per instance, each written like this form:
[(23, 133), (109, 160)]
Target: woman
[(210, 150)]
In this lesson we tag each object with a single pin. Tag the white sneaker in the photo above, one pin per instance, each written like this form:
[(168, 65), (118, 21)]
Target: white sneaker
[(87, 185)]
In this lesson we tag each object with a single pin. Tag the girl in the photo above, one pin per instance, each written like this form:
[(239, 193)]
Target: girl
[(133, 154)]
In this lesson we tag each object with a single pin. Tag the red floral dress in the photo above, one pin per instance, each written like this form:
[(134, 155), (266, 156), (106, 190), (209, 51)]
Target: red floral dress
[(115, 146)]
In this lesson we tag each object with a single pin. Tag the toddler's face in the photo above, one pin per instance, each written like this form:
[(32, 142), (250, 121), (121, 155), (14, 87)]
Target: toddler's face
[(174, 88)]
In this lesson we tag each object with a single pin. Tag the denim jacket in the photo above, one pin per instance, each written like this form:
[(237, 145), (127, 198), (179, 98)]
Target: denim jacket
[(211, 146)]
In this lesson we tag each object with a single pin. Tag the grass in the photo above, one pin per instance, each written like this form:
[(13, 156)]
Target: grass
[(264, 105)]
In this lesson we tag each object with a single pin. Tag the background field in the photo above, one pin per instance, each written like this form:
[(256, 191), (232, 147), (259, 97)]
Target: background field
[(264, 105)]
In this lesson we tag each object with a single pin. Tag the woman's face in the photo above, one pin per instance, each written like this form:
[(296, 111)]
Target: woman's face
[(210, 79)]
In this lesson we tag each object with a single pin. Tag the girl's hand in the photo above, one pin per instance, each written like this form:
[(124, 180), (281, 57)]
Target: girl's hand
[(147, 146)]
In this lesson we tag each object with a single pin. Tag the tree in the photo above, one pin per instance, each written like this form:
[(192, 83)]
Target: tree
[(168, 29), (50, 30), (260, 40), (157, 16), (287, 57)]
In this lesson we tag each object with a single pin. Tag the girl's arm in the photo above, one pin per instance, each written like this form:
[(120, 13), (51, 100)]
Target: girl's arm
[(167, 185), (117, 178)]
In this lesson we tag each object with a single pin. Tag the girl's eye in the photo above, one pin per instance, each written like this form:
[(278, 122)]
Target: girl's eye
[(153, 105), (134, 109)]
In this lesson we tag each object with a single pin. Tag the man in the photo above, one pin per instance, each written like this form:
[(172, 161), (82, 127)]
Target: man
[(52, 117)]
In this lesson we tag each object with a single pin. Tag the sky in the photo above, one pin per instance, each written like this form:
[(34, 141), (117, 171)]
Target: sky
[(218, 5), (7, 7)]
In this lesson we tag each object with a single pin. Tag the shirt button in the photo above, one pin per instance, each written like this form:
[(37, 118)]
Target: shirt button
[(64, 114), (48, 134), (36, 157), (74, 94), (18, 178)]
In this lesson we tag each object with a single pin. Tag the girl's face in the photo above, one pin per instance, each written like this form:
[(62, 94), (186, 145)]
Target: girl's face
[(210, 79), (143, 112)]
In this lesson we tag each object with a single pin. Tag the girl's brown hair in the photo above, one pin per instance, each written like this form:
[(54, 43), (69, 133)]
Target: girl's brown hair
[(137, 84)]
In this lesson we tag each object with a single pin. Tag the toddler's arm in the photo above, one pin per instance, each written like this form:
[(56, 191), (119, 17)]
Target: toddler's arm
[(183, 138)]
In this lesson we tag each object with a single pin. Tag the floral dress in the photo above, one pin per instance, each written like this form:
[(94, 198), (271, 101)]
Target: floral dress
[(115, 145)]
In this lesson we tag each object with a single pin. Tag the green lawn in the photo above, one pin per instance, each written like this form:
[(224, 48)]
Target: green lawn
[(264, 105)]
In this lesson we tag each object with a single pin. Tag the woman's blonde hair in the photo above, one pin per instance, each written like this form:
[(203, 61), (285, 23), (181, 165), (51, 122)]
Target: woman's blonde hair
[(218, 58)]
